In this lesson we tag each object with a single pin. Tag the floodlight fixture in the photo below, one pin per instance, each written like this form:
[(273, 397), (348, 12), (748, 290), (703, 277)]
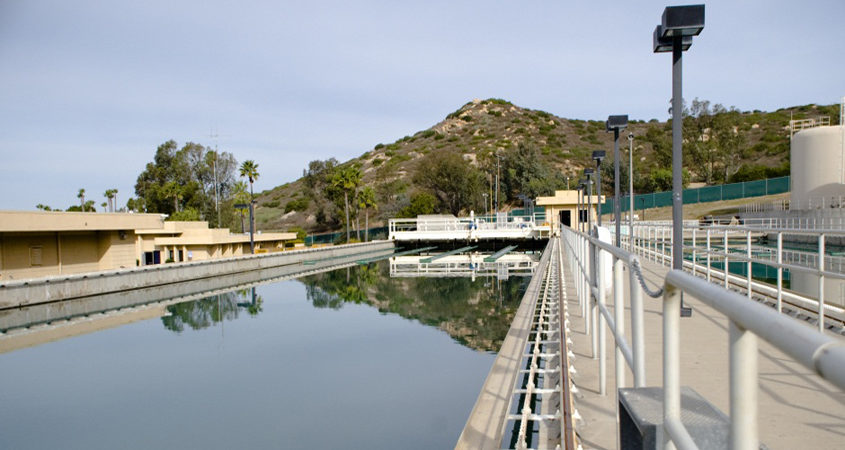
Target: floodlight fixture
[(685, 20), (599, 155), (616, 122)]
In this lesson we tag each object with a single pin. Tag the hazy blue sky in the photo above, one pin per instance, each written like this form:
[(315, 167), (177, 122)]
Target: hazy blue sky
[(89, 89)]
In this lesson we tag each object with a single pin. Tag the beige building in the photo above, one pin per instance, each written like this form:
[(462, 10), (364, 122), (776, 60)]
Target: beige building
[(561, 208), (39, 244)]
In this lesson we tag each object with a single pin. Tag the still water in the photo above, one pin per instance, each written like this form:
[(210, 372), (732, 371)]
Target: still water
[(343, 359)]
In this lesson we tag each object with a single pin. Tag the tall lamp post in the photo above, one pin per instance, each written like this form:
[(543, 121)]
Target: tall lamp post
[(578, 189), (598, 155), (631, 190), (674, 34), (617, 124), (589, 174)]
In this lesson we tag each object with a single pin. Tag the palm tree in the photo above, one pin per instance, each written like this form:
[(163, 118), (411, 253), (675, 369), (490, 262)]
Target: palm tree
[(347, 179), (105, 206), (111, 195), (81, 197), (249, 169), (367, 200)]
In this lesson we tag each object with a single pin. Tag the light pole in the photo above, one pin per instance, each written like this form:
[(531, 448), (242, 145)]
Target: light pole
[(598, 155), (631, 190), (582, 187), (674, 34), (486, 211), (589, 174), (617, 124), (578, 207)]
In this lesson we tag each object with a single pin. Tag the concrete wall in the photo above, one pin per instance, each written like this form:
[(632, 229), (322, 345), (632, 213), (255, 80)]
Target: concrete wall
[(50, 289)]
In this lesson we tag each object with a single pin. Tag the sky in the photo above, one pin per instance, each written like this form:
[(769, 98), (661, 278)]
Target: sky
[(89, 89)]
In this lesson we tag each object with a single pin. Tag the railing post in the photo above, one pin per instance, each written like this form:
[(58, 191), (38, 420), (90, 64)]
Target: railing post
[(708, 254), (637, 331), (671, 360), (600, 324), (619, 318), (727, 264), (748, 264), (821, 283), (780, 272), (743, 388), (694, 253)]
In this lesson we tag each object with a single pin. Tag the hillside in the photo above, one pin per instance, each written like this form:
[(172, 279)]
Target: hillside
[(534, 140)]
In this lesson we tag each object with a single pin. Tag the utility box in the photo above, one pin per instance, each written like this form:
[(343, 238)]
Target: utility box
[(641, 419)]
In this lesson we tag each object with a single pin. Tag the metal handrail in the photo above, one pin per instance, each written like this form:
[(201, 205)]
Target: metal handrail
[(821, 353), (646, 241), (581, 250), (816, 351)]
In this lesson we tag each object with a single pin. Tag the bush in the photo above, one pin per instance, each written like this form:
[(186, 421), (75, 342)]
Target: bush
[(186, 215), (272, 204), (300, 204), (421, 203), (378, 146)]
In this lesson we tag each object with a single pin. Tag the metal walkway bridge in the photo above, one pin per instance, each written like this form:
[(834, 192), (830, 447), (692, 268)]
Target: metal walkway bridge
[(752, 373)]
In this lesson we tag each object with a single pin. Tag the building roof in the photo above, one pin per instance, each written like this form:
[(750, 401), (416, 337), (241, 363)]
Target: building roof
[(565, 197), (51, 221)]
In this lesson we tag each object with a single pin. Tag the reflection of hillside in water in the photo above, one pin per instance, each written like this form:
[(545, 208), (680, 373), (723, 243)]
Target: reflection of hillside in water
[(475, 313)]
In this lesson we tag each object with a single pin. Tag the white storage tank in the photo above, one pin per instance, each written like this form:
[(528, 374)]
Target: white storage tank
[(817, 159)]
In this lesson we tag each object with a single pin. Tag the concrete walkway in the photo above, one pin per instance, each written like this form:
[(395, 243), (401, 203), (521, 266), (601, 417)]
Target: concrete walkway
[(797, 409)]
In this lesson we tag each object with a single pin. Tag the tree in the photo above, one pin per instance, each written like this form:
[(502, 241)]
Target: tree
[(524, 172), (367, 200), (81, 196), (249, 169), (43, 207), (201, 173), (450, 178), (347, 180), (111, 195), (421, 203)]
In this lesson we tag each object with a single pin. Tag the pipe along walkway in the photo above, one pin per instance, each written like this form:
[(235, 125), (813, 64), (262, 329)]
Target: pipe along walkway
[(526, 399)]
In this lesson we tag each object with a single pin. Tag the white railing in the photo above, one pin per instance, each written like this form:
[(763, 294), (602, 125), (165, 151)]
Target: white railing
[(816, 351), (708, 246), (822, 354), (588, 256)]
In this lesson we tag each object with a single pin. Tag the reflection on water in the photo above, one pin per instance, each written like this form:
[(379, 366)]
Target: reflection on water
[(328, 361), (476, 313), (205, 312)]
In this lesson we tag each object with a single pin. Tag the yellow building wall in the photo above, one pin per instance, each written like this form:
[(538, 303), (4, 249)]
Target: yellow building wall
[(16, 249), (116, 252), (80, 252)]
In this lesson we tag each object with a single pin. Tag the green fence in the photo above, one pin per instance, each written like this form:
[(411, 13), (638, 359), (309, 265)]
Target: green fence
[(340, 236), (756, 188)]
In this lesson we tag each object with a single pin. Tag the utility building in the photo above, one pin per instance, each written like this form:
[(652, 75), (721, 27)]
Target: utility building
[(561, 209), (40, 244)]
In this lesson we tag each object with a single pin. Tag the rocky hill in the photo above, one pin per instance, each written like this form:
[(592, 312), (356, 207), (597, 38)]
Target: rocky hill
[(721, 145)]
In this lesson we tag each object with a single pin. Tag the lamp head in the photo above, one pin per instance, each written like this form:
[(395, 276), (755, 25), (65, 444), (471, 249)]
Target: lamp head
[(664, 45), (616, 122), (599, 155), (687, 20)]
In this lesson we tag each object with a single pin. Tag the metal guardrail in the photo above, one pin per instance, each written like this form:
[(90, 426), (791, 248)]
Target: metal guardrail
[(823, 354), (816, 351), (726, 244)]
